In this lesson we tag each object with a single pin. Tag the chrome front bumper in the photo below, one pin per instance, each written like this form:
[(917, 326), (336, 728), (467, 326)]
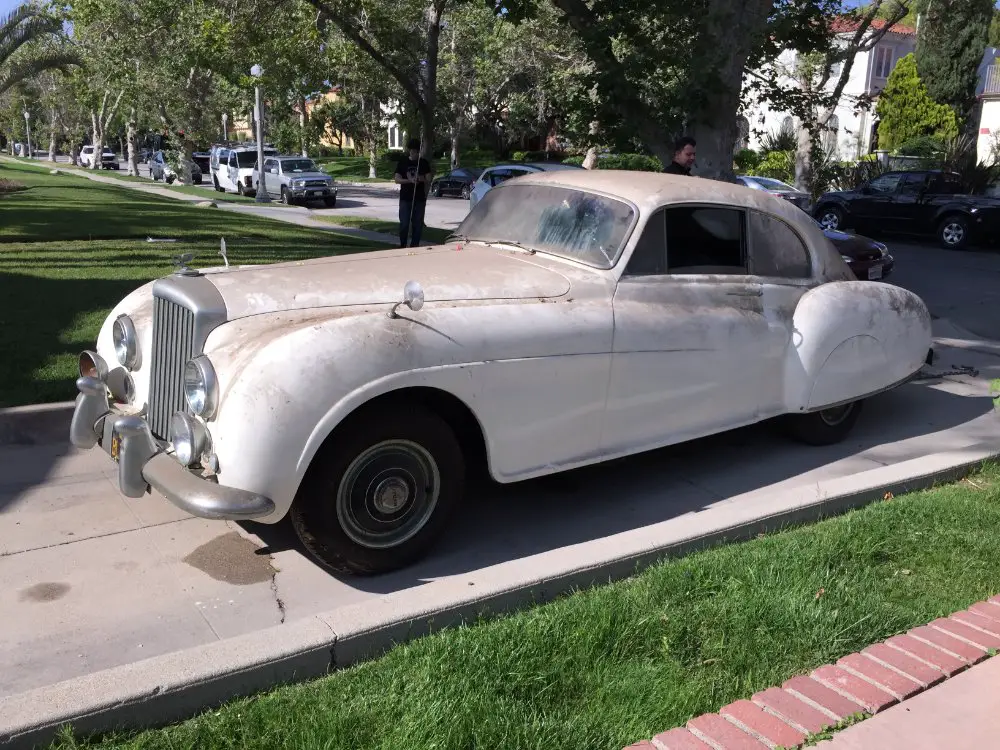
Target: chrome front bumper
[(143, 462)]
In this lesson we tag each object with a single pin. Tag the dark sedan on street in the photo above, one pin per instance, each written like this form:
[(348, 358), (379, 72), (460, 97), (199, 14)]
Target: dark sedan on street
[(778, 188), (457, 182), (868, 260)]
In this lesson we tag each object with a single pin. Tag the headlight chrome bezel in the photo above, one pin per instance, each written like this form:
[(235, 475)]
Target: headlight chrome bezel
[(201, 387), (126, 343), (190, 439)]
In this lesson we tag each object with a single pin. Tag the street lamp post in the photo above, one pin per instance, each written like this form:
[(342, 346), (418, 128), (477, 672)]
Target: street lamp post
[(27, 129), (262, 196)]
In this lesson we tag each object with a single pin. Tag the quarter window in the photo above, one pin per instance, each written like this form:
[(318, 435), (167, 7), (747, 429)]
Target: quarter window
[(776, 250), (705, 240), (649, 258)]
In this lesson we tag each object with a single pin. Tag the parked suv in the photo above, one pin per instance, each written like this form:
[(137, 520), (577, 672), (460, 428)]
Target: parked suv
[(296, 179), (108, 158), (232, 166), (927, 202)]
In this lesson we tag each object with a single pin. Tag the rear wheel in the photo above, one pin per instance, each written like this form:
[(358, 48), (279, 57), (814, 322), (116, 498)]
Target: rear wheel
[(378, 496), (239, 188), (953, 232), (825, 427), (218, 187)]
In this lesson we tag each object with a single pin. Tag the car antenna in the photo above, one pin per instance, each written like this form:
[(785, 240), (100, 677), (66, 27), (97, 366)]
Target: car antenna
[(222, 252)]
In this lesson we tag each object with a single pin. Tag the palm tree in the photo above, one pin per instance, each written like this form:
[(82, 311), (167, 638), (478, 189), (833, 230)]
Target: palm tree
[(25, 24)]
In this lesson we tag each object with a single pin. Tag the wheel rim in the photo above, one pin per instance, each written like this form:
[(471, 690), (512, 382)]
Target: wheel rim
[(388, 493), (836, 415), (952, 233), (829, 220), (465, 192)]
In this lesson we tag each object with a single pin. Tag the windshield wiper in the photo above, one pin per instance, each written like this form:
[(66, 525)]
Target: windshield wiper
[(509, 243)]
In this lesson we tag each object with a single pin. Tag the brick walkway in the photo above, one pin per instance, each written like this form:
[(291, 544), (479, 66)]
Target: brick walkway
[(868, 682)]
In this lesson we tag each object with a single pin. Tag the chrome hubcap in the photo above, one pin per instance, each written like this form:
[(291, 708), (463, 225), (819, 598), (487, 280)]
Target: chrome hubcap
[(953, 233), (829, 220), (388, 493), (836, 415)]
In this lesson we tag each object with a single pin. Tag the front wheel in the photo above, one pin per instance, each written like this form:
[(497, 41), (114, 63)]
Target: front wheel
[(239, 188), (170, 180), (825, 427), (377, 497), (330, 201), (953, 232), (286, 198), (830, 217), (217, 186), (465, 192)]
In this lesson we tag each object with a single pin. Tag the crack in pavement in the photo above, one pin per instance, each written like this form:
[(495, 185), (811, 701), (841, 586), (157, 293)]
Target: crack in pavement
[(277, 597)]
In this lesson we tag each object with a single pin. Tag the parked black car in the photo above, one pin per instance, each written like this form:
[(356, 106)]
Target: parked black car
[(927, 202), (868, 259), (204, 161), (456, 182)]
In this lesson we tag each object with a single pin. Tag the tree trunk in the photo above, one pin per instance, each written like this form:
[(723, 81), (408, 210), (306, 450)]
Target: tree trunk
[(373, 158), (53, 123), (303, 122), (429, 78), (455, 134), (97, 140), (187, 151), (803, 158), (131, 136), (74, 155), (590, 160)]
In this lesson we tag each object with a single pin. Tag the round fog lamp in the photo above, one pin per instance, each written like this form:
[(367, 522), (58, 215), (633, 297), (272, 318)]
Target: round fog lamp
[(126, 342), (92, 365), (189, 438)]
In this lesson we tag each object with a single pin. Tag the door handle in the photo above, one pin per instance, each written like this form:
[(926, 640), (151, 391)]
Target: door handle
[(754, 293)]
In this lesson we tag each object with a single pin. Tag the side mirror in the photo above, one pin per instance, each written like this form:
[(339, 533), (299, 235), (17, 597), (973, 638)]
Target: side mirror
[(413, 298)]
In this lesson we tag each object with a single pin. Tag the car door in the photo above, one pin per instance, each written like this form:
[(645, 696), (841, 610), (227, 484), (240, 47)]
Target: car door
[(274, 177), (902, 213), (873, 205), (234, 170), (693, 349)]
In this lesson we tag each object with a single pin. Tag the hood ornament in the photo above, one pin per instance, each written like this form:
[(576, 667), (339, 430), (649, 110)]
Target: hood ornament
[(181, 261), (413, 298), (222, 252)]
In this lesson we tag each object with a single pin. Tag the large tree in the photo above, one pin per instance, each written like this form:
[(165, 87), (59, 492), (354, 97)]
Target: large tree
[(22, 56), (950, 45), (907, 111)]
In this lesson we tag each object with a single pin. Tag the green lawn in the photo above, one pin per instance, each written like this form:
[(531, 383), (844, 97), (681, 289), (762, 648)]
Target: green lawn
[(71, 248), (431, 234), (606, 667)]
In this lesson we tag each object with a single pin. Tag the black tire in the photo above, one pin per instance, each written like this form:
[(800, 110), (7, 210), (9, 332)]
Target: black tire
[(830, 217), (285, 197), (953, 232), (239, 188), (170, 180), (218, 187), (405, 443), (823, 427), (330, 201), (437, 191)]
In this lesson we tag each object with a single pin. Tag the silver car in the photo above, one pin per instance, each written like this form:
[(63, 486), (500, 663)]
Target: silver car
[(777, 187), (296, 179)]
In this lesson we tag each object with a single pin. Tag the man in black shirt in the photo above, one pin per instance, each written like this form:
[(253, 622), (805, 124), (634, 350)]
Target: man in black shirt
[(684, 153), (413, 174)]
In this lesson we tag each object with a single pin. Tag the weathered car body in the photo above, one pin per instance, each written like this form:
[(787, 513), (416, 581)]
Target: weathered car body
[(576, 337)]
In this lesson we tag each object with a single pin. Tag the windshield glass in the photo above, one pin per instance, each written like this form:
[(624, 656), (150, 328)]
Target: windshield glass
[(299, 165), (570, 223), (768, 184)]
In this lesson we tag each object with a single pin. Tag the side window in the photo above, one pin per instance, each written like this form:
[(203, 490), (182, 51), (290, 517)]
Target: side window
[(650, 254), (913, 183), (705, 240), (499, 175), (776, 250), (886, 183)]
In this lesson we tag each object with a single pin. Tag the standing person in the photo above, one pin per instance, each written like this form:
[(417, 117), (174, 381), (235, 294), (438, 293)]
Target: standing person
[(684, 153), (413, 173)]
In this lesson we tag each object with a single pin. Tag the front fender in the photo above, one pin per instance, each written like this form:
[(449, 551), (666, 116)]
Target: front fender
[(852, 339)]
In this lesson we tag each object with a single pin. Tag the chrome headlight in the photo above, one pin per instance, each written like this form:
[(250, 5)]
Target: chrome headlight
[(126, 342), (299, 183), (847, 258), (201, 388), (189, 437), (883, 250), (92, 365)]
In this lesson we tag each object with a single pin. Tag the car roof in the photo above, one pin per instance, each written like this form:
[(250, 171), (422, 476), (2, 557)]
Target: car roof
[(649, 190)]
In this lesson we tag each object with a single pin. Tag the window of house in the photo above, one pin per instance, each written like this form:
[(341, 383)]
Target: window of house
[(883, 61), (705, 240), (776, 250), (742, 133), (788, 125)]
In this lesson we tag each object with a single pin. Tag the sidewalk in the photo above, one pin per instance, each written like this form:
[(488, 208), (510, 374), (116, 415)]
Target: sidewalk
[(886, 681), (961, 714), (289, 214)]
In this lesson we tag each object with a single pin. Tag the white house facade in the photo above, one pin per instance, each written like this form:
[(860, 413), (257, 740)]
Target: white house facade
[(988, 92), (851, 129)]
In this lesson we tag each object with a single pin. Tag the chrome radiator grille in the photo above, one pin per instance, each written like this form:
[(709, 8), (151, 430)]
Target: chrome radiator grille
[(173, 346)]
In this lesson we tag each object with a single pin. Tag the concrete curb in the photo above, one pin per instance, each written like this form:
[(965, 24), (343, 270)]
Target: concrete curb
[(171, 687), (36, 424)]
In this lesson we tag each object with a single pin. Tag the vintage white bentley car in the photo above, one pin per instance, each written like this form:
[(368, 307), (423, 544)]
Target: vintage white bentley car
[(577, 316)]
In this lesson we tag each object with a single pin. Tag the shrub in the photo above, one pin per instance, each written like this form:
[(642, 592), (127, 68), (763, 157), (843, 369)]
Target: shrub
[(746, 159), (778, 165), (924, 146), (10, 186)]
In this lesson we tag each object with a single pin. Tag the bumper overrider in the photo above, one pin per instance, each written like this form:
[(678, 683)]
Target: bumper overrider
[(144, 463)]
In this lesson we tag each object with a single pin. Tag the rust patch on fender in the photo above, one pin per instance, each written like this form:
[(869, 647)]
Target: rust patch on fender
[(231, 558)]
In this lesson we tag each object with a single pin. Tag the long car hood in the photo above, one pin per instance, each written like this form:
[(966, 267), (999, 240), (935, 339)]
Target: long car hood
[(445, 273)]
